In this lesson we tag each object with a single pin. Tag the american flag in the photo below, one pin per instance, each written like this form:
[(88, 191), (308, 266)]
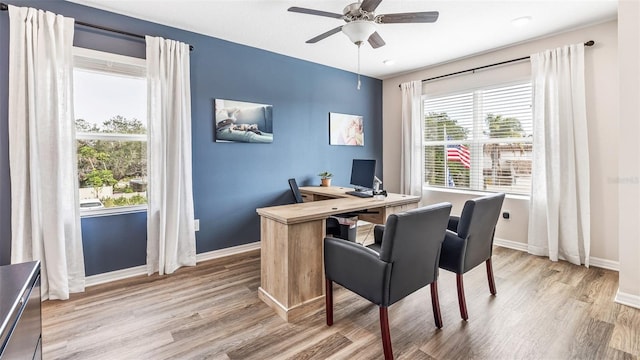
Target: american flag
[(459, 153)]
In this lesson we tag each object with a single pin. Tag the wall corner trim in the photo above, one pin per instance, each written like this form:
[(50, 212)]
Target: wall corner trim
[(627, 299), (142, 269)]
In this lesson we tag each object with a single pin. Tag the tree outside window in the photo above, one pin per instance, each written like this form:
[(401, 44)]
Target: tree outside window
[(117, 165)]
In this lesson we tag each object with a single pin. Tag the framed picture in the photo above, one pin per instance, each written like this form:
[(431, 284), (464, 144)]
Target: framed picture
[(346, 129), (239, 121)]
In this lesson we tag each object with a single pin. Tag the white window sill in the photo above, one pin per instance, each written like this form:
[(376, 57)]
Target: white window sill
[(113, 211), (472, 192)]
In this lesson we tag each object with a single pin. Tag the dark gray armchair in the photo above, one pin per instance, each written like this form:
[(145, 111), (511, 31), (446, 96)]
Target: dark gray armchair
[(469, 242), (407, 261)]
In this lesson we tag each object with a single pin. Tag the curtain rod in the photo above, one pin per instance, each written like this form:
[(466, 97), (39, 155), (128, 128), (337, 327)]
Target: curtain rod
[(588, 43), (5, 7)]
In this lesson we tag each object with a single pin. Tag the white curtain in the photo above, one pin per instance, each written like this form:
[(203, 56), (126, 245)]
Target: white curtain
[(170, 226), (412, 155), (559, 217), (45, 221)]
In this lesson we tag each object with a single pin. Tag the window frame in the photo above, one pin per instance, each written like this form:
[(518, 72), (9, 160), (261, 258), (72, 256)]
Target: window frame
[(476, 142), (94, 60)]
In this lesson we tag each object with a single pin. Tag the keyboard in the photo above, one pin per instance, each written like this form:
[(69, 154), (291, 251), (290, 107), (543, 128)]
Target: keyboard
[(362, 194)]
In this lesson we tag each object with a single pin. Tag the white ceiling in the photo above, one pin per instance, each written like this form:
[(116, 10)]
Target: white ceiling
[(465, 27)]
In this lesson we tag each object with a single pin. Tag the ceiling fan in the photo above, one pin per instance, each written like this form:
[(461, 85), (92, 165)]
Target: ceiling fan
[(361, 21)]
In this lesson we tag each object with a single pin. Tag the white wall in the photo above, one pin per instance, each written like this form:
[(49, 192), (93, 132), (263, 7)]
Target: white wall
[(629, 169), (601, 70)]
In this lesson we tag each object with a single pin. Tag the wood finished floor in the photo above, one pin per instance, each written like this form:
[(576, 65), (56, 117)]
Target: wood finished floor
[(543, 310)]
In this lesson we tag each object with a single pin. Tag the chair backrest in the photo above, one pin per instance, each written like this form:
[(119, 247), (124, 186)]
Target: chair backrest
[(295, 191), (412, 242), (477, 225)]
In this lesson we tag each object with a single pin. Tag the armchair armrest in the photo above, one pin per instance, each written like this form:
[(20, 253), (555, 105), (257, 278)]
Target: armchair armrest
[(453, 223), (452, 253), (357, 268), (378, 231)]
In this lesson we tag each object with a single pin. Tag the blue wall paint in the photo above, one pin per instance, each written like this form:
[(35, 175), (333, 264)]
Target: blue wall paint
[(119, 247), (230, 180)]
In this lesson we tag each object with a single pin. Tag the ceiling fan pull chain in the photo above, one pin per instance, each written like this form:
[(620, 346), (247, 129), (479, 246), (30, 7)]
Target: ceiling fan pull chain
[(359, 65)]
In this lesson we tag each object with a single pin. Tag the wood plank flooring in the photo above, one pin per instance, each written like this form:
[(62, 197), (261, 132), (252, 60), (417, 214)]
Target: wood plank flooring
[(543, 310)]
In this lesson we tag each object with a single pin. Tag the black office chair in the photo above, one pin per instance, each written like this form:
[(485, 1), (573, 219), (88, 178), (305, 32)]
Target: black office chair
[(333, 227), (293, 185), (469, 242), (407, 261)]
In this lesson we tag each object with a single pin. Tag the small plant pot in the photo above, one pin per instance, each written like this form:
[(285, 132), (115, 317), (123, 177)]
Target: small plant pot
[(325, 182)]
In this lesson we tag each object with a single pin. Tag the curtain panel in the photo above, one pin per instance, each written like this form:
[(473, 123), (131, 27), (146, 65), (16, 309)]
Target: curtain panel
[(45, 221), (559, 217), (170, 225), (412, 151)]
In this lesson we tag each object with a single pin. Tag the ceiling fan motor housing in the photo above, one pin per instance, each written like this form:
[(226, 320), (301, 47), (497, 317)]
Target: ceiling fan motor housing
[(353, 12)]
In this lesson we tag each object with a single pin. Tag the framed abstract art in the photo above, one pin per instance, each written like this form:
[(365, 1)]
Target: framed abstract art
[(346, 129)]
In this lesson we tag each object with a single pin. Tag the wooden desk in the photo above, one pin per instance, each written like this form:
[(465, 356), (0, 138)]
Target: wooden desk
[(291, 265)]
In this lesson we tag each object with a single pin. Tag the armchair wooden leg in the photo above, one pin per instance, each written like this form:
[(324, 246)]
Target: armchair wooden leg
[(492, 283), (329, 301), (386, 336), (435, 303), (461, 301)]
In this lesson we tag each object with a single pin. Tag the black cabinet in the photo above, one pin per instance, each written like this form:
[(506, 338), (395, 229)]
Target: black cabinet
[(20, 317)]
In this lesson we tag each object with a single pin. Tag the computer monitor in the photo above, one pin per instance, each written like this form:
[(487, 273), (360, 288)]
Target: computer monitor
[(362, 173)]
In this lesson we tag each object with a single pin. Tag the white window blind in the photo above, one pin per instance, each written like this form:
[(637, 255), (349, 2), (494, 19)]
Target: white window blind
[(480, 140)]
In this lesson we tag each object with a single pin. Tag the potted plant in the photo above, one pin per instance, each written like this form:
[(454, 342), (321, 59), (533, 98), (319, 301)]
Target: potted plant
[(325, 178)]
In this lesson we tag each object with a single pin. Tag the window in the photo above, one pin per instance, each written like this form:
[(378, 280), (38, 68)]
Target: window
[(110, 104), (480, 140)]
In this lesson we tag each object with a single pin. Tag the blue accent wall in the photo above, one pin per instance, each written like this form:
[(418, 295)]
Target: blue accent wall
[(230, 180), (114, 242)]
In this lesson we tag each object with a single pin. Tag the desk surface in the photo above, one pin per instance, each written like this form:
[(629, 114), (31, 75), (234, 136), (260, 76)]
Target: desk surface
[(342, 203)]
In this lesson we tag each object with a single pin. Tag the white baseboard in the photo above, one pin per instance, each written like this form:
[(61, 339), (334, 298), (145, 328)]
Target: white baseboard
[(115, 275), (604, 263), (234, 250), (593, 261), (142, 270), (509, 244), (627, 299)]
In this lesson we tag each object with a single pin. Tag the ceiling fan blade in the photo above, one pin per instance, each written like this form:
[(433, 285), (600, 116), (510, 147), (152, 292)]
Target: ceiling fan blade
[(370, 5), (417, 17), (324, 35), (376, 41), (314, 12)]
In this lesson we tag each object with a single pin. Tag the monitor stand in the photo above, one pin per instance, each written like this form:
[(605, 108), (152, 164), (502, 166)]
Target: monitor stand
[(361, 192), (364, 190)]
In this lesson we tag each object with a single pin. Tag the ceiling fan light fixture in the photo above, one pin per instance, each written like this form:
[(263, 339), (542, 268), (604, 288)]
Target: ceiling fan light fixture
[(359, 31)]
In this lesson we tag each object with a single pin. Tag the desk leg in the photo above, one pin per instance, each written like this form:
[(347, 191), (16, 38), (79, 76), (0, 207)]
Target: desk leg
[(291, 264)]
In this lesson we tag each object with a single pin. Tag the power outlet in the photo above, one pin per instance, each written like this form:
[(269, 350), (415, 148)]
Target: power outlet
[(196, 224)]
